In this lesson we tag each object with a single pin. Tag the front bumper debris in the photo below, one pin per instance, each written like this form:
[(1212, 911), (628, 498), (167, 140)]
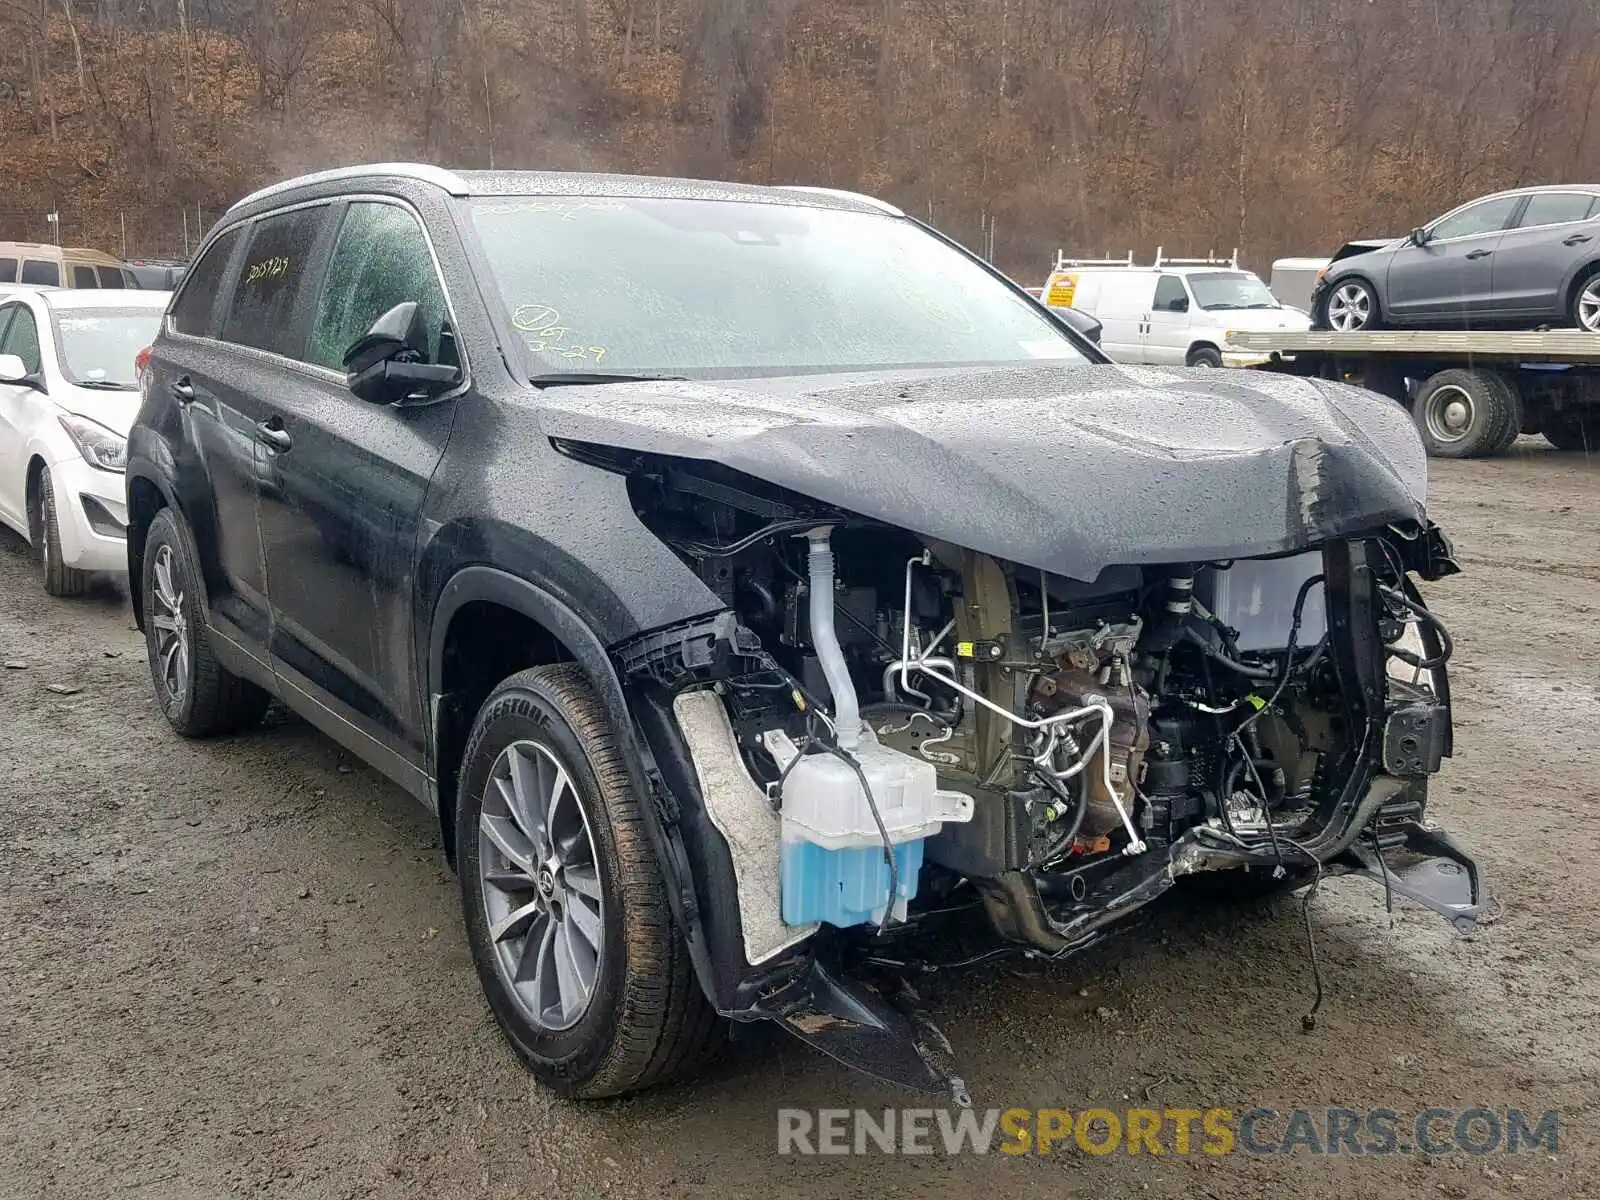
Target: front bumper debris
[(1427, 866)]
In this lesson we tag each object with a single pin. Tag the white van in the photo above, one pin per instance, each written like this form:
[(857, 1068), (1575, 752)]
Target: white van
[(1178, 312)]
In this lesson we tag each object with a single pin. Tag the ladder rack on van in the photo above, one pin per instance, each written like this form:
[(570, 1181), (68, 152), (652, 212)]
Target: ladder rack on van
[(1209, 260), (1063, 262)]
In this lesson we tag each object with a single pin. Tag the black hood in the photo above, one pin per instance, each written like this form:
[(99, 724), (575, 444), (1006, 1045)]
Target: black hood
[(1068, 469)]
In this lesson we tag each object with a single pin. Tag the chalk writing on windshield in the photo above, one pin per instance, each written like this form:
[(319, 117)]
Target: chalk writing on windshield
[(544, 334)]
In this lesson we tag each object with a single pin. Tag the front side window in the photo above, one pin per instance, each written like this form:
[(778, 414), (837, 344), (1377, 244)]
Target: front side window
[(264, 311), (1487, 216), (731, 288), (84, 277), (97, 346), (381, 260), (1170, 296), (8, 270), (41, 274), (1555, 208), (22, 339), (198, 301), (1219, 290)]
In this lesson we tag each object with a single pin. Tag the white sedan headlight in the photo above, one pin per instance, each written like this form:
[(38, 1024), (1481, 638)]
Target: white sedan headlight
[(99, 446)]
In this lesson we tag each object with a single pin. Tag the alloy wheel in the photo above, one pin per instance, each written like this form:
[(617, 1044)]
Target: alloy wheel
[(541, 885), (1589, 306), (1450, 414), (171, 623), (1350, 307)]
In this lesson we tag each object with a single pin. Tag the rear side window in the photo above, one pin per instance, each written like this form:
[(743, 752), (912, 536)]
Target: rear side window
[(22, 339), (8, 270), (262, 312), (84, 277), (41, 274), (1556, 208), (1170, 295), (195, 304), (381, 260)]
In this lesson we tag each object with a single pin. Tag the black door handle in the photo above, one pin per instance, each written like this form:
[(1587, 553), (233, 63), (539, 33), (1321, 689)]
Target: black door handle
[(182, 390), (1480, 254), (1576, 239), (273, 435)]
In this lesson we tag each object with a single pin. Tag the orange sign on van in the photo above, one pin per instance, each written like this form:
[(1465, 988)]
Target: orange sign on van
[(1061, 290)]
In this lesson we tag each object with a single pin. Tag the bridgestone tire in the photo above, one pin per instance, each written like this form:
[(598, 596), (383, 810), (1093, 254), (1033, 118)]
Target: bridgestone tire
[(647, 1020)]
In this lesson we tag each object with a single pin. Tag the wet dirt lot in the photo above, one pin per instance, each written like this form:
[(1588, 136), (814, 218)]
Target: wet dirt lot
[(237, 967)]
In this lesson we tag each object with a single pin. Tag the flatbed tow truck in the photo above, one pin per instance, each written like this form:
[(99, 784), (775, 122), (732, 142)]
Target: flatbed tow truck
[(1470, 393)]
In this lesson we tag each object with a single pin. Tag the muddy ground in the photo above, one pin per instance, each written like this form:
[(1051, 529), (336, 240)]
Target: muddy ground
[(238, 967)]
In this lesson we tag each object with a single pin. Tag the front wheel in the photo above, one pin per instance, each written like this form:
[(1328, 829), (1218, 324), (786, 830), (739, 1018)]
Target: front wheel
[(1351, 307), (565, 905), (59, 579), (1205, 356)]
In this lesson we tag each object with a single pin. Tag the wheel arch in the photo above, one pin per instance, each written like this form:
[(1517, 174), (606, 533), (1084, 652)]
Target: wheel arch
[(1200, 344), (1580, 277), (483, 609), (146, 498), (30, 494)]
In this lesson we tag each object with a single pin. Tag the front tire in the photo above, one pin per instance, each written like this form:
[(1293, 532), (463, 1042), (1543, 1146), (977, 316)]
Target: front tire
[(1351, 306), (566, 909), (1573, 431), (59, 579), (1205, 356), (199, 697)]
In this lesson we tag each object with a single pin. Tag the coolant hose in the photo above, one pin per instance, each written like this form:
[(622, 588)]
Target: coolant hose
[(846, 709)]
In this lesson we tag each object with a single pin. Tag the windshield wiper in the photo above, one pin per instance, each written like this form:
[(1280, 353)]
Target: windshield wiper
[(107, 385), (564, 379)]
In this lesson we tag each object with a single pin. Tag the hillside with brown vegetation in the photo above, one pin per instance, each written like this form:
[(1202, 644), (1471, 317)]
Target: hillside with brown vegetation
[(1279, 126)]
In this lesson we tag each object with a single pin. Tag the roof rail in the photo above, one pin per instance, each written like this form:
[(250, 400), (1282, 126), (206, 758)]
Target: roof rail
[(1063, 262), (422, 172), (861, 197), (1209, 260)]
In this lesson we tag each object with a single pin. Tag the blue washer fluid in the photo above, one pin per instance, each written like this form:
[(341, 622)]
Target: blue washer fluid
[(845, 887)]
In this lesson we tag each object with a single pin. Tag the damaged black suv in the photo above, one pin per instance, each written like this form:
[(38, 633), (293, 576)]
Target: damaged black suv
[(753, 581)]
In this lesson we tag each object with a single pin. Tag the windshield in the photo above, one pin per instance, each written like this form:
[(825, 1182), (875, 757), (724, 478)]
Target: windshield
[(705, 289), (1230, 289), (97, 346)]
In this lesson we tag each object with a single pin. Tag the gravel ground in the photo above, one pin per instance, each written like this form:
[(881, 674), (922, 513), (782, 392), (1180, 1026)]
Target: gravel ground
[(238, 967)]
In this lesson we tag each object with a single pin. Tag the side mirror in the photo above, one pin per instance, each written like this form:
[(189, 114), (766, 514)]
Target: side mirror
[(1180, 305), (387, 365), (1420, 236), (13, 369)]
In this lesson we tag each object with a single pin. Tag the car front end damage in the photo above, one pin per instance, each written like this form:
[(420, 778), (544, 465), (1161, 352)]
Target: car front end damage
[(884, 731)]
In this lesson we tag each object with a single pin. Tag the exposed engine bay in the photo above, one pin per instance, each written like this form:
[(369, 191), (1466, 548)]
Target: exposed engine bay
[(929, 724)]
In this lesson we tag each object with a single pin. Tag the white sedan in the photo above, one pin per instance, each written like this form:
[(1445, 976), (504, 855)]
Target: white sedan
[(68, 395)]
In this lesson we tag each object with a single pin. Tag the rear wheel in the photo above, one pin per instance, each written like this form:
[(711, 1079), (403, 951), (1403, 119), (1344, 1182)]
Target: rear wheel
[(59, 579), (1466, 414), (565, 905), (199, 696), (1586, 304), (1573, 431), (1351, 306)]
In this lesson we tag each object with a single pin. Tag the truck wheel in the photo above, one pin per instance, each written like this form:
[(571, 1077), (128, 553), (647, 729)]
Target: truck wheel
[(199, 696), (1465, 414), (565, 905), (1351, 306), (1572, 431), (1204, 356), (59, 579)]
